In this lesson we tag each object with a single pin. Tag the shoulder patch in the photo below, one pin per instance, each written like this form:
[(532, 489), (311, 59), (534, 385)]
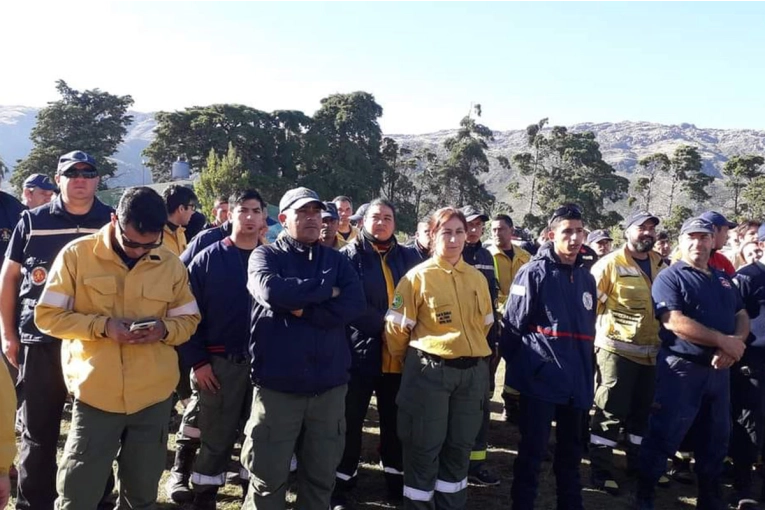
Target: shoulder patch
[(587, 300), (398, 301), (627, 271), (39, 275), (517, 290), (724, 282)]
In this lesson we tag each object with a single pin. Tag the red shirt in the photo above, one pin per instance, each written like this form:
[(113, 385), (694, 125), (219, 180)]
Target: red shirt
[(721, 263)]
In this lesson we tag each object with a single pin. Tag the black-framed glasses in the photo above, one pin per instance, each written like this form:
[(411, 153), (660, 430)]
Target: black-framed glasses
[(73, 173), (567, 212), (140, 246)]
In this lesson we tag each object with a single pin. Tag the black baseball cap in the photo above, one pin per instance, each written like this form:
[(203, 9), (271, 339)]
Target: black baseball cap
[(599, 235), (698, 225), (330, 211), (40, 181), (297, 198), (471, 213), (639, 218)]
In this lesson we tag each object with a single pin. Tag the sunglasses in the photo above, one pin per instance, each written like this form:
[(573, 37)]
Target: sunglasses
[(568, 212), (73, 173), (140, 246)]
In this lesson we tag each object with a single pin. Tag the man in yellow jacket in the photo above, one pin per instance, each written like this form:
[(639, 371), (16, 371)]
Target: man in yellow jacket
[(181, 204), (120, 302), (626, 344)]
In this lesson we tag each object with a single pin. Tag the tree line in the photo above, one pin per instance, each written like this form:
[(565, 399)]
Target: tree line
[(340, 149)]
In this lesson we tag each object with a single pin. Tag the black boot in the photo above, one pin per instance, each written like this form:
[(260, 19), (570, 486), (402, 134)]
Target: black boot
[(710, 495), (204, 499), (177, 486)]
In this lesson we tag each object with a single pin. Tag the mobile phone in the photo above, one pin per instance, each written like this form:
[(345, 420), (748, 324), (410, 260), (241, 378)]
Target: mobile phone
[(142, 324)]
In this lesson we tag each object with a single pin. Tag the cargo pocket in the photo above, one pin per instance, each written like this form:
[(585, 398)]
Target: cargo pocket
[(157, 300), (101, 292)]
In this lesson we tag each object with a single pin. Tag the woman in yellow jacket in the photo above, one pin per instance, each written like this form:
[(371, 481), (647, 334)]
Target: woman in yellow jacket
[(437, 324), (7, 433)]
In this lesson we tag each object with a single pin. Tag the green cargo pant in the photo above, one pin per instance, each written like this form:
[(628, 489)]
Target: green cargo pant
[(440, 410), (96, 437), (221, 416), (623, 397), (271, 436)]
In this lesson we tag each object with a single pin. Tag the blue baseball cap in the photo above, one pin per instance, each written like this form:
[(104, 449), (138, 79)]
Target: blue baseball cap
[(40, 181), (360, 212), (599, 235), (697, 225), (717, 219), (331, 211), (639, 218), (70, 159)]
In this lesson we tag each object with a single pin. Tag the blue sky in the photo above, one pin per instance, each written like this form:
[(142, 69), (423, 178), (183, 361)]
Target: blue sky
[(425, 63)]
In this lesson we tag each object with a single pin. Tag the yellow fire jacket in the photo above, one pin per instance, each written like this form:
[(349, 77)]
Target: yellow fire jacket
[(505, 269), (7, 420), (175, 241), (440, 309), (351, 237), (626, 322), (87, 284)]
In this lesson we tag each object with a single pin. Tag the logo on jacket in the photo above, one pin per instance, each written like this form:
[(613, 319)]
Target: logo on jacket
[(398, 301), (724, 282), (444, 317), (5, 234), (39, 275), (587, 300)]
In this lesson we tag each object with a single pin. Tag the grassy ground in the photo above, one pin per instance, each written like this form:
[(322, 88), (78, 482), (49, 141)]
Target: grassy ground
[(503, 438)]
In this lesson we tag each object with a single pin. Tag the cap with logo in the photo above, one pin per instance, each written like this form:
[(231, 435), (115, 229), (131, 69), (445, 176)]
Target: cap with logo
[(297, 198), (70, 159), (717, 219), (639, 218), (599, 235), (330, 211), (698, 225), (472, 213), (40, 181)]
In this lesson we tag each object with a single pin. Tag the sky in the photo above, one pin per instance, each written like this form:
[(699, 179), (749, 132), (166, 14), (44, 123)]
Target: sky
[(425, 63)]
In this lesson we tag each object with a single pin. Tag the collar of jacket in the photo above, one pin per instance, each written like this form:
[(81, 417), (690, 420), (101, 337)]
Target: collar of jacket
[(460, 266), (473, 247), (104, 249), (496, 250), (367, 245), (295, 245), (57, 206), (547, 251), (229, 243), (655, 258)]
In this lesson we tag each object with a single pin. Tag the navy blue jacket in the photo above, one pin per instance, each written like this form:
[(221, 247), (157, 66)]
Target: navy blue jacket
[(480, 258), (750, 280), (422, 253), (10, 211), (39, 236), (218, 278), (204, 239), (308, 354), (365, 333), (548, 330)]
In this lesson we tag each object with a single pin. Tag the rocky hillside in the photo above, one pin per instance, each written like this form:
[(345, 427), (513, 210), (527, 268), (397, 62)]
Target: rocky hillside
[(622, 144)]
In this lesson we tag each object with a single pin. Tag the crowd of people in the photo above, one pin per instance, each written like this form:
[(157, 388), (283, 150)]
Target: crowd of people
[(279, 346)]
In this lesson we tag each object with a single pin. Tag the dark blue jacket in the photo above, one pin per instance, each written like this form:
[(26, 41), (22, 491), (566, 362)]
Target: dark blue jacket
[(548, 331), (750, 280), (308, 354), (10, 211), (365, 333), (39, 236), (422, 253), (480, 258), (204, 239), (218, 278)]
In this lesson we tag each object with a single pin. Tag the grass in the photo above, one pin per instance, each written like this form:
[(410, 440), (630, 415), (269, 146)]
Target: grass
[(370, 494)]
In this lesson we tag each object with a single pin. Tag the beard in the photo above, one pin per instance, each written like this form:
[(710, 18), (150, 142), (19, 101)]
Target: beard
[(644, 245)]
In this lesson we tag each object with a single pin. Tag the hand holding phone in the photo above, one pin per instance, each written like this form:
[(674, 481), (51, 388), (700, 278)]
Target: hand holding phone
[(142, 324)]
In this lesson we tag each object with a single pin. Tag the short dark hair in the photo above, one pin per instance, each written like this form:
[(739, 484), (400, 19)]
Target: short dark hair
[(176, 196), (565, 212), (342, 198), (504, 217), (220, 199), (662, 236), (143, 209), (241, 196), (384, 202)]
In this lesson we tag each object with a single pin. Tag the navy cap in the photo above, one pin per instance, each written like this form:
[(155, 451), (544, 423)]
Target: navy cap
[(471, 213), (70, 159), (599, 235), (639, 218), (360, 212), (297, 198), (40, 181), (330, 212), (717, 219), (697, 225)]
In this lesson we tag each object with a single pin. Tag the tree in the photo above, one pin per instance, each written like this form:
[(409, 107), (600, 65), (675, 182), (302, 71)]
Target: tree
[(458, 176), (755, 198), (650, 169), (741, 171), (528, 163), (344, 153), (221, 177), (672, 223), (92, 121), (685, 175), (3, 168), (269, 144), (568, 167)]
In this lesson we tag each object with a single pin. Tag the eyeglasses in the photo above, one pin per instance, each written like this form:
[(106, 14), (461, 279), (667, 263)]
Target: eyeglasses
[(191, 206), (73, 173), (568, 212), (142, 246)]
